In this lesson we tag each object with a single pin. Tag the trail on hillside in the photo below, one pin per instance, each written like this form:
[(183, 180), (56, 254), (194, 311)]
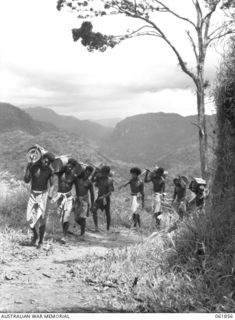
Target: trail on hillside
[(43, 280)]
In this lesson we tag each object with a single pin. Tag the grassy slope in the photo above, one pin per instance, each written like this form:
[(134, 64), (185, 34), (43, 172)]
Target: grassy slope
[(14, 145), (168, 272)]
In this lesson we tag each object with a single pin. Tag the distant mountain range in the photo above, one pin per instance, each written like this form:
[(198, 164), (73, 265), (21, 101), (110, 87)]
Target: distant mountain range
[(13, 118), (85, 128), (19, 131), (169, 140), (110, 122)]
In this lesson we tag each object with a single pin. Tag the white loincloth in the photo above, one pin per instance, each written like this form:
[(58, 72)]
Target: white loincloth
[(181, 207), (190, 196), (65, 205), (134, 204), (37, 206), (156, 205)]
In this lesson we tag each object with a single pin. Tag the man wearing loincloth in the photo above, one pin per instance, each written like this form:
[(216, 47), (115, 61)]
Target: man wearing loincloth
[(104, 183), (158, 180), (83, 204), (40, 175), (64, 197), (137, 194)]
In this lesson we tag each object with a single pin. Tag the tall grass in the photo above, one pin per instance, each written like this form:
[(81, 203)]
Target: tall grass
[(148, 279), (121, 213), (13, 200), (168, 272)]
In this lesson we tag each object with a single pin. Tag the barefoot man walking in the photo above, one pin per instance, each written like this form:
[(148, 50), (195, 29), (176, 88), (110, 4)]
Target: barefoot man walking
[(64, 197), (105, 188), (83, 204), (39, 174)]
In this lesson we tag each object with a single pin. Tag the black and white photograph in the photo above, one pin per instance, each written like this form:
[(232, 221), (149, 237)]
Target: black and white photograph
[(117, 159)]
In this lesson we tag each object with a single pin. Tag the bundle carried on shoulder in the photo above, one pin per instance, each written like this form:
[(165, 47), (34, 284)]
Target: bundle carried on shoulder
[(183, 181), (35, 153), (61, 161), (196, 183)]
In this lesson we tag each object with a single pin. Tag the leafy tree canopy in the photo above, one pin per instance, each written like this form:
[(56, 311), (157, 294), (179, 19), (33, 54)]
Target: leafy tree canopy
[(144, 11)]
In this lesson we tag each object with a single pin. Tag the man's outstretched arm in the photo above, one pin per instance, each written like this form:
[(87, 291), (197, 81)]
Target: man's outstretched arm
[(147, 177), (123, 185)]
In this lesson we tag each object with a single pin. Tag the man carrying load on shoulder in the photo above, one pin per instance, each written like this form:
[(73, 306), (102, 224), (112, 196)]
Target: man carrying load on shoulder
[(198, 186), (137, 194), (104, 183), (179, 196), (40, 176), (158, 181), (64, 197), (83, 187)]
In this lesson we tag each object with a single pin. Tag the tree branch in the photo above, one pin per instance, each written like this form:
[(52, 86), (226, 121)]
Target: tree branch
[(164, 37), (219, 36), (142, 34), (137, 33), (209, 14), (193, 45), (198, 10), (176, 14), (225, 25), (141, 28), (199, 127)]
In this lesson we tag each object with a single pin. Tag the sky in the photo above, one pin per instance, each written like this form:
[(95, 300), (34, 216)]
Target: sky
[(40, 65)]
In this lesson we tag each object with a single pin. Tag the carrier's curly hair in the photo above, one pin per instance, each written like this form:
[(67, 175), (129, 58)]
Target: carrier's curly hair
[(89, 168), (136, 171), (105, 170), (50, 156), (73, 162), (159, 171)]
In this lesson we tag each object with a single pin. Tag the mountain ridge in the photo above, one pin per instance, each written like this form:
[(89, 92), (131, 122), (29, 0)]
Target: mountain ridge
[(85, 128), (18, 132), (147, 137), (165, 139), (108, 122), (13, 118), (169, 140)]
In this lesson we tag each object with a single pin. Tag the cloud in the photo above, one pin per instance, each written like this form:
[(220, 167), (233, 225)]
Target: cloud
[(41, 66)]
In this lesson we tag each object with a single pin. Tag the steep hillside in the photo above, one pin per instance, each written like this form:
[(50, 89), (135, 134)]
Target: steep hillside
[(85, 128), (14, 145), (169, 140), (146, 138), (18, 132), (184, 160), (13, 118)]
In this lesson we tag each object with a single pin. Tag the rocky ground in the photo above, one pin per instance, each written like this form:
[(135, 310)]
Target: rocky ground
[(44, 280)]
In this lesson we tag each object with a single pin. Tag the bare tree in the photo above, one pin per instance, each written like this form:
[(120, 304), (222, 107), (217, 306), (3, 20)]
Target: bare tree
[(201, 33)]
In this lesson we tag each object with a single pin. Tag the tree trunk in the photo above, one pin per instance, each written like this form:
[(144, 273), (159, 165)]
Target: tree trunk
[(202, 126)]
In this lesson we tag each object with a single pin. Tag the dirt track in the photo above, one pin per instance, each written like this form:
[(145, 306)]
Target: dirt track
[(43, 280)]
